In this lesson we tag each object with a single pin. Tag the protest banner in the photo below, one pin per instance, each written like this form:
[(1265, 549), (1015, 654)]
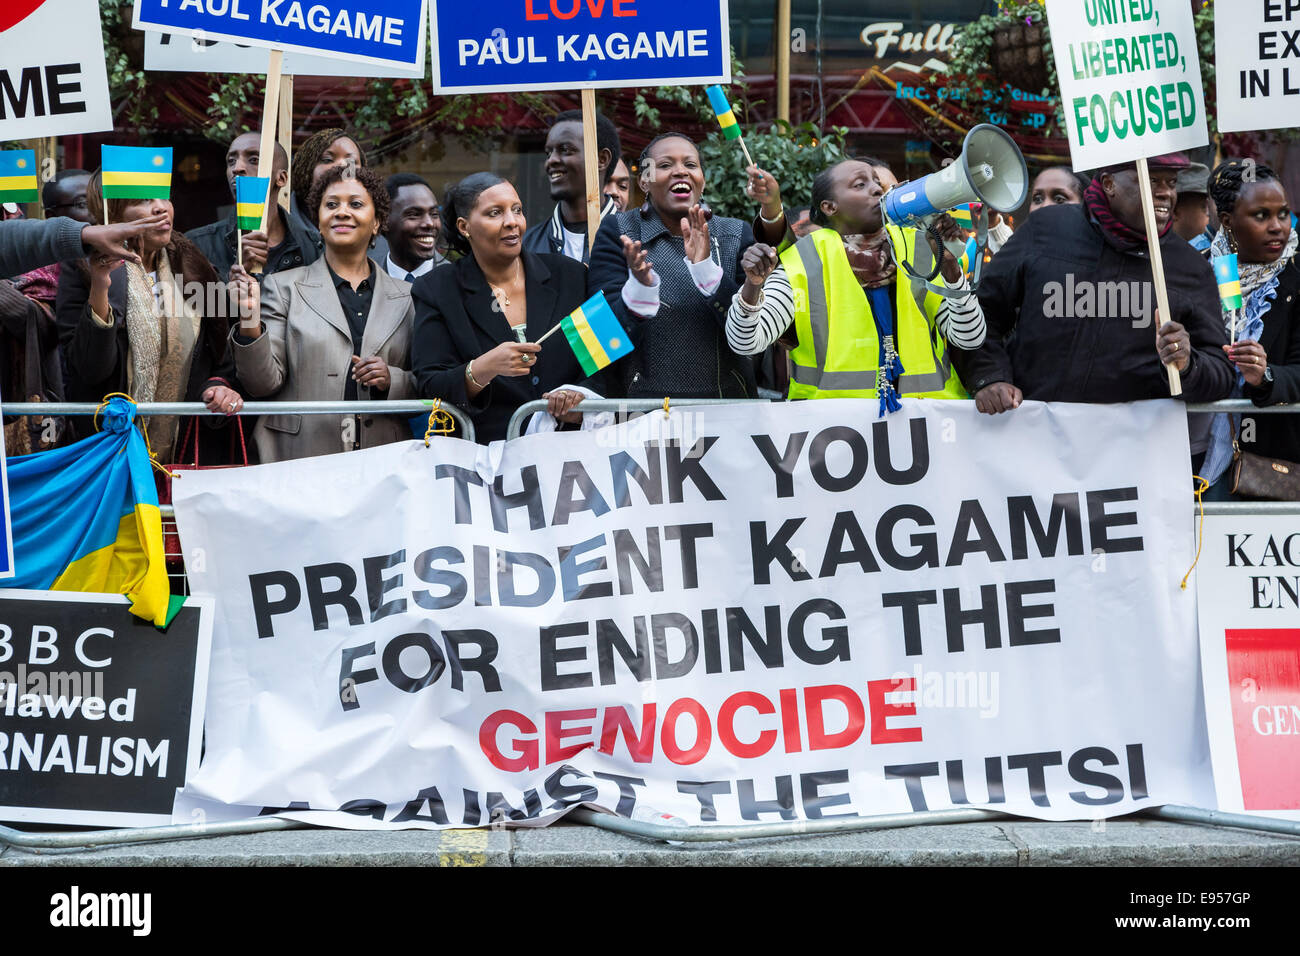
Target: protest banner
[(101, 714), (380, 32), (1248, 601), (763, 612), (1257, 65), (52, 76), (185, 54), (1130, 84)]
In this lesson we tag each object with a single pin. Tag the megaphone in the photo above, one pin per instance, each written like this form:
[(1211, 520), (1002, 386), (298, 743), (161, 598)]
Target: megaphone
[(990, 170)]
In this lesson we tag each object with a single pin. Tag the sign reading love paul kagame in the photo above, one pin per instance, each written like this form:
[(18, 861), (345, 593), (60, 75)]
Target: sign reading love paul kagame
[(504, 45), (1130, 78)]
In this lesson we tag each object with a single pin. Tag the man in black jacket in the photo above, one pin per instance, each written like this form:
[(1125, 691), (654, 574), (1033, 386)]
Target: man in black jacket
[(1074, 286), (284, 245), (565, 230)]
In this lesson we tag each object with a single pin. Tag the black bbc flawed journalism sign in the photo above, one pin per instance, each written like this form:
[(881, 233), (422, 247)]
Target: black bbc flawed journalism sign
[(101, 713)]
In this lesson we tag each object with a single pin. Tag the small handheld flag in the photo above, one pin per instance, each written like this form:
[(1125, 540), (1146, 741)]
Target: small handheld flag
[(969, 255), (594, 334), (1225, 273), (251, 194), (136, 172), (18, 176), (964, 215), (726, 118)]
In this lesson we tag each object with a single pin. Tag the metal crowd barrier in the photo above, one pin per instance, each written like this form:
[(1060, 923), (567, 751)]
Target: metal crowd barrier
[(524, 411)]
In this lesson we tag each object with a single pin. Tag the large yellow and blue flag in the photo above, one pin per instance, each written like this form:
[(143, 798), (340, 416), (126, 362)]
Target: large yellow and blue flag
[(136, 172), (86, 518), (18, 175)]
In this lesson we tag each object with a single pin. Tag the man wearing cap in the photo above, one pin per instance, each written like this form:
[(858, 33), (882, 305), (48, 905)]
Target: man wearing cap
[(1074, 283), (1192, 211)]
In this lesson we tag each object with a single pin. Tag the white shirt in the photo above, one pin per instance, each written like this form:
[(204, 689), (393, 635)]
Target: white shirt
[(575, 243), (400, 274)]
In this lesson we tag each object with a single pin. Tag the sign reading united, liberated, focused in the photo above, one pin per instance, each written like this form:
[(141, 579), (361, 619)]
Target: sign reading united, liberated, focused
[(503, 45), (373, 31), (1130, 78)]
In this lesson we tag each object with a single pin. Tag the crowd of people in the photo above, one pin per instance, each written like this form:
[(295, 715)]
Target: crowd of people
[(374, 290)]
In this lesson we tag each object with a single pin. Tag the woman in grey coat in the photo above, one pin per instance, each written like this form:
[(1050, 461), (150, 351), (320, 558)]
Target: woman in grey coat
[(338, 329)]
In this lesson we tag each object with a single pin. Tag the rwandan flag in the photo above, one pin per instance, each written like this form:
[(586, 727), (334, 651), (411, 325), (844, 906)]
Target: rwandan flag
[(969, 255), (726, 118), (250, 202), (136, 172), (86, 518), (595, 335), (964, 215), (18, 175), (1225, 273)]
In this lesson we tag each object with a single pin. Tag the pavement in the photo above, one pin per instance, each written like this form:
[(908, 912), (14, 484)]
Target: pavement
[(1129, 841)]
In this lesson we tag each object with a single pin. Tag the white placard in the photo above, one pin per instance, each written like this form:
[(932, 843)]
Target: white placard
[(52, 76), (184, 54), (1257, 65), (1130, 78)]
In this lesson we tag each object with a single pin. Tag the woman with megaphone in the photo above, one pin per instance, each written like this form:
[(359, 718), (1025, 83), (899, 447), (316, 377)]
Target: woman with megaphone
[(890, 334)]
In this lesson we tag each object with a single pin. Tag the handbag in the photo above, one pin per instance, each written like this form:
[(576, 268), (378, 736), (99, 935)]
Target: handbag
[(171, 537), (1261, 478)]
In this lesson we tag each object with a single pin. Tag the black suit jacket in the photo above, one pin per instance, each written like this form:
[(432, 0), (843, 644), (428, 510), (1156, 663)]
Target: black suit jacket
[(456, 322), (1278, 435)]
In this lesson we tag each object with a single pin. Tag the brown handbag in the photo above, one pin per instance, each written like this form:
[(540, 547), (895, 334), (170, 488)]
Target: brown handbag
[(1264, 479)]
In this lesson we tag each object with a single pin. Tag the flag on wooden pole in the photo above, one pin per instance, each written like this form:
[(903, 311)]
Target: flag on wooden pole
[(136, 172), (251, 193), (18, 176), (595, 335)]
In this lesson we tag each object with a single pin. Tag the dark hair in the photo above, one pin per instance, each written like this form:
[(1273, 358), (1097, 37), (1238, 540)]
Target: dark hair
[(1229, 179), (47, 192), (397, 181), (821, 191), (873, 161), (606, 136), (458, 202), (1081, 182), (308, 156), (366, 177)]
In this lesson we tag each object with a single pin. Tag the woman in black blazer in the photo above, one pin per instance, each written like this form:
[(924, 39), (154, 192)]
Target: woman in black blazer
[(477, 320)]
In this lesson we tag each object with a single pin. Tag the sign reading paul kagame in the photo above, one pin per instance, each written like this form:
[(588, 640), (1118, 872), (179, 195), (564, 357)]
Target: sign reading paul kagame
[(503, 45), (1130, 78), (369, 31)]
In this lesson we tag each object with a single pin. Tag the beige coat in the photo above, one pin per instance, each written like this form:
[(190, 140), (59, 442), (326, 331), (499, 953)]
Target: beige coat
[(305, 354)]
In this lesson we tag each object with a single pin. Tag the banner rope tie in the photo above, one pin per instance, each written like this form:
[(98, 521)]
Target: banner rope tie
[(1201, 487), (153, 458), (665, 406), (440, 422)]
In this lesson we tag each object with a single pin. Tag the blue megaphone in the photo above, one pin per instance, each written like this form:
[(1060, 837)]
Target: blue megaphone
[(990, 170)]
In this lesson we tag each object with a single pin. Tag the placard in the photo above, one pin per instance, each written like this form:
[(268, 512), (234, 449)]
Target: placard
[(502, 45), (52, 75), (1257, 65), (101, 714), (1130, 79), (373, 31), (186, 54)]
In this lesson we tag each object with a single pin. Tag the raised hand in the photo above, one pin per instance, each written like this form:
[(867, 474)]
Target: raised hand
[(763, 188), (695, 234), (638, 262)]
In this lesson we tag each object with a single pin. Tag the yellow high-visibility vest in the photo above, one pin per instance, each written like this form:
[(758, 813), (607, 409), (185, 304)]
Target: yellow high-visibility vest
[(839, 348)]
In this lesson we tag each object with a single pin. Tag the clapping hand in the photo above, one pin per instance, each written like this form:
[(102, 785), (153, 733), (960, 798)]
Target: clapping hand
[(695, 234)]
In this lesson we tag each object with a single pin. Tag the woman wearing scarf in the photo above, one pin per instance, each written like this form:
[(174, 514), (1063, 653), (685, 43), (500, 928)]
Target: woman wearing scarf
[(135, 328), (863, 328), (1074, 284), (1255, 223)]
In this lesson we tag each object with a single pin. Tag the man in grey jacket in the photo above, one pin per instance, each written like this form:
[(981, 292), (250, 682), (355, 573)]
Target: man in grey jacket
[(27, 244)]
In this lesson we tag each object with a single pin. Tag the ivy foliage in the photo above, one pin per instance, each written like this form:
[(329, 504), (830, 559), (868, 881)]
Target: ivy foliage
[(792, 154)]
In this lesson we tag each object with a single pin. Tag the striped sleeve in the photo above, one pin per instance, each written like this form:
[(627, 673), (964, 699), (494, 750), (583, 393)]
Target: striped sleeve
[(961, 319), (749, 332)]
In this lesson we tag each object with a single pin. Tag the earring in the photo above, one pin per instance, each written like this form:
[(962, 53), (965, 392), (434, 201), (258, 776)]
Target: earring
[(1232, 241)]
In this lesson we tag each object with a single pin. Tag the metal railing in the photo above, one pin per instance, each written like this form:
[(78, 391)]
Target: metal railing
[(524, 411), (404, 406)]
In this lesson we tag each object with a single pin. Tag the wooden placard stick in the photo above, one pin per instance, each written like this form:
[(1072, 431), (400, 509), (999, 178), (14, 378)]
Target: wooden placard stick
[(270, 112), (285, 127), (1157, 264), (590, 163)]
